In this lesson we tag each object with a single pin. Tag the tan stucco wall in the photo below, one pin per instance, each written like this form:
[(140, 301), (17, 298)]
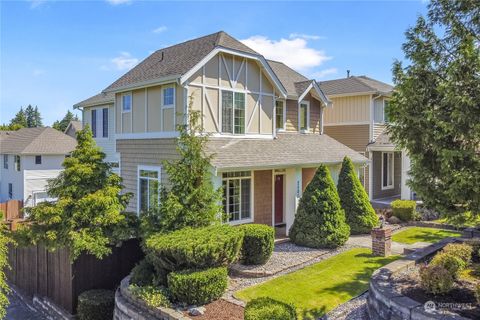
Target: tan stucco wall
[(243, 74), (348, 109), (353, 136), (377, 191), (137, 152), (262, 197)]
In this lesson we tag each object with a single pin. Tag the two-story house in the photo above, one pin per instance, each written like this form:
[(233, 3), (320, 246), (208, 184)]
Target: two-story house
[(358, 120), (264, 119), (30, 157)]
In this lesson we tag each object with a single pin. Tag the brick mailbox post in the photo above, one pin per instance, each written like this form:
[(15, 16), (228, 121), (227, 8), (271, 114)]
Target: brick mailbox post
[(382, 241)]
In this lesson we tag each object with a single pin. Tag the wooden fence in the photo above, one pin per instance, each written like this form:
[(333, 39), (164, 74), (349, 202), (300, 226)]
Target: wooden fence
[(12, 209), (37, 271)]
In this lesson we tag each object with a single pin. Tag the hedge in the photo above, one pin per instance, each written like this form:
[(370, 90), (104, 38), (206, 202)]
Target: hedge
[(96, 305), (460, 250), (198, 287), (405, 210), (198, 248), (142, 274), (152, 296), (258, 243), (267, 308)]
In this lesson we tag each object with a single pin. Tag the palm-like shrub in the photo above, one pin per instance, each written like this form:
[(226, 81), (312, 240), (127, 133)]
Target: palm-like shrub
[(358, 211), (320, 219)]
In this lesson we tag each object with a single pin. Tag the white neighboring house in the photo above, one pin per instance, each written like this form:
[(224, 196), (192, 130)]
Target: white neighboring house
[(29, 158), (98, 112), (73, 127)]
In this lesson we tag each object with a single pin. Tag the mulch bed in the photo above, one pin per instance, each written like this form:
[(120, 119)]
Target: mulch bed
[(221, 310)]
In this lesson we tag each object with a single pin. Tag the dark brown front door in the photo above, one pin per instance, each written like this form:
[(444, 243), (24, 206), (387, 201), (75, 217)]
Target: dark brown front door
[(278, 199)]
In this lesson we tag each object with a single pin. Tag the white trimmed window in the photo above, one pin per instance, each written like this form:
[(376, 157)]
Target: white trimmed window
[(233, 112), (387, 170), (127, 102), (148, 187), (16, 160), (280, 114), (168, 97), (381, 111), (304, 115), (5, 161), (237, 196)]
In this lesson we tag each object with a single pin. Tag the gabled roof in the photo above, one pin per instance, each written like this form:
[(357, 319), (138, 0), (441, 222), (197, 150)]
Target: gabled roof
[(177, 60), (287, 76), (38, 141), (96, 100), (355, 85), (381, 142), (75, 125), (287, 150)]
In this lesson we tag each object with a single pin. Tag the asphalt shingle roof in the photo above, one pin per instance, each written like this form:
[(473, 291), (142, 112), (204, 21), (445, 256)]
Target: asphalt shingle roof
[(288, 149), (39, 141), (383, 140), (287, 76), (76, 125), (98, 99), (354, 84), (178, 59)]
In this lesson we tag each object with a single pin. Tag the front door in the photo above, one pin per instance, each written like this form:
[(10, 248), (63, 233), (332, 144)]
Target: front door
[(278, 199)]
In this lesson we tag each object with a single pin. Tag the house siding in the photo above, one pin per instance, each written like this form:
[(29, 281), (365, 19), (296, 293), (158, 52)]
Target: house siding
[(107, 144), (150, 152), (355, 137), (262, 198), (347, 110), (377, 191)]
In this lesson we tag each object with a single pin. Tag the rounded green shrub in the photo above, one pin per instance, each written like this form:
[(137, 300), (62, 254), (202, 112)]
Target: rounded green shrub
[(195, 287), (152, 296), (449, 262), (197, 248), (267, 308), (360, 215), (96, 305), (460, 250), (320, 219), (405, 210), (436, 279), (142, 274), (258, 243)]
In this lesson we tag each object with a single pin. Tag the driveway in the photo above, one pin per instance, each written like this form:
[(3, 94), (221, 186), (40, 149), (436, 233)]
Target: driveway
[(19, 310)]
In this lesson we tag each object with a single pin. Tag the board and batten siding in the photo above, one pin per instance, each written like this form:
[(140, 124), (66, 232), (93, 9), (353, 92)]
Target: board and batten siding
[(232, 73), (147, 152), (107, 144), (355, 137), (147, 114), (346, 110)]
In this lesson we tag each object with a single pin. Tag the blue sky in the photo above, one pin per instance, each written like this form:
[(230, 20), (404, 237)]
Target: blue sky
[(57, 53)]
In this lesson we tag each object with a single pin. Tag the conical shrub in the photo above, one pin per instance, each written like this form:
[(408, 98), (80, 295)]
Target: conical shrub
[(320, 219), (354, 200)]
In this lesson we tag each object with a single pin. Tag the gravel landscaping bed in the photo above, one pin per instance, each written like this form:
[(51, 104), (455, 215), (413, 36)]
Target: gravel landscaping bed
[(289, 252), (355, 309)]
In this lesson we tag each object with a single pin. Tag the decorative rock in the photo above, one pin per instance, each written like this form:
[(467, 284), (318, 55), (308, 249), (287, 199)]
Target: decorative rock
[(393, 220), (196, 311)]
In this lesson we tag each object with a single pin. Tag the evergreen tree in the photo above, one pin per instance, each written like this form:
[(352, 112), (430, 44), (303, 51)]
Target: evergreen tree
[(191, 200), (87, 216), (20, 119), (435, 108), (30, 116), (320, 219), (37, 118), (61, 125), (354, 200)]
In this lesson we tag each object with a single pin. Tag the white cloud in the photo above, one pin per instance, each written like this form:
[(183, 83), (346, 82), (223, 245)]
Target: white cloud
[(124, 61), (160, 29), (293, 52), (117, 2), (305, 36), (323, 73)]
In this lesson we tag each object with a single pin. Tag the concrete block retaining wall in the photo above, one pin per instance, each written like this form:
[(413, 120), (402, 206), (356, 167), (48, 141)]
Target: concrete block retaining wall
[(128, 307)]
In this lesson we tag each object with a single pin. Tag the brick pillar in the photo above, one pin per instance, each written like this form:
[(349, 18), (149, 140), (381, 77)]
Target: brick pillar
[(382, 241)]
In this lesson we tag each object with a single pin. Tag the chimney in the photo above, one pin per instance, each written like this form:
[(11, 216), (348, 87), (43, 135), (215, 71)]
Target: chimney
[(348, 73)]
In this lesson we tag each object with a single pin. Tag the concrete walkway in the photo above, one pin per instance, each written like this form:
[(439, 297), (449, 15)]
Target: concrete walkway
[(19, 310)]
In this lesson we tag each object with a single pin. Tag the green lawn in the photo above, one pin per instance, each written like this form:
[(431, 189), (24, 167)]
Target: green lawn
[(420, 234), (321, 287)]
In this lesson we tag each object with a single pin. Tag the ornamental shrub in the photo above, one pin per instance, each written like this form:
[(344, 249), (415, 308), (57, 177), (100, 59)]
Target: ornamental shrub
[(199, 248), (475, 244), (267, 308), (360, 215), (449, 262), (460, 250), (96, 305), (477, 292), (198, 287), (436, 279), (152, 296), (142, 274), (320, 219), (405, 210), (258, 242)]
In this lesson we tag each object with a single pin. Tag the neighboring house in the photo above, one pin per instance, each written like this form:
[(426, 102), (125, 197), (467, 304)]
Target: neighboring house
[(29, 157), (358, 119), (73, 127), (98, 113), (264, 119)]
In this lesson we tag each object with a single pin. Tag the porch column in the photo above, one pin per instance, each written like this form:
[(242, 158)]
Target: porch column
[(293, 193)]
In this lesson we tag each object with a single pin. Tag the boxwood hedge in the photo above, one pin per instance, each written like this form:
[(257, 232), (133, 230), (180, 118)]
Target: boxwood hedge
[(258, 242)]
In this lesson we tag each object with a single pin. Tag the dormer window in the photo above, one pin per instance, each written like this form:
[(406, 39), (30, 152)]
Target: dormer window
[(304, 115)]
